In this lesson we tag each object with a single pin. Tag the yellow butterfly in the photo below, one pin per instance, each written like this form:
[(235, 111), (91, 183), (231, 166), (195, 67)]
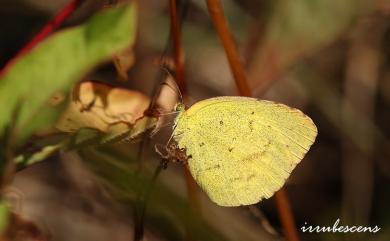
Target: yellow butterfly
[(241, 150)]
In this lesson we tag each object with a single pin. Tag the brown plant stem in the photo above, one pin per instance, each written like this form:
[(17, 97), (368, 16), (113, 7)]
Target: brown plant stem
[(46, 30), (139, 204), (178, 57), (216, 12), (142, 201), (286, 215)]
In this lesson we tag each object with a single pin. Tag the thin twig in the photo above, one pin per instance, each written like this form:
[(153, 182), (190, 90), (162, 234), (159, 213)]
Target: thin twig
[(51, 26), (262, 219), (286, 215), (177, 48), (139, 204), (142, 202), (216, 12), (180, 79)]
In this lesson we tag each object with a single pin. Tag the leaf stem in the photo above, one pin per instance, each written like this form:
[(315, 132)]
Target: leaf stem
[(46, 30)]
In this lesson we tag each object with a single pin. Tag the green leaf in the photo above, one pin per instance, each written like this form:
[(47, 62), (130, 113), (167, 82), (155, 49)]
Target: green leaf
[(26, 160), (4, 215), (59, 61), (85, 137)]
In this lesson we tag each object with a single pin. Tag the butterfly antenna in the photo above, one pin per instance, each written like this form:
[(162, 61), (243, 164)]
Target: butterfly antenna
[(165, 123), (170, 138), (169, 113)]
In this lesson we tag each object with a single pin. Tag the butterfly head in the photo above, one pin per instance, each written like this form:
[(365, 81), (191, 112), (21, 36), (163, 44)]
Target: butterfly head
[(179, 107)]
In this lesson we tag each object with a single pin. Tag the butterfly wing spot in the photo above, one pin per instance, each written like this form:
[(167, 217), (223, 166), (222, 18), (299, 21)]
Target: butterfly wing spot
[(230, 149), (221, 122), (251, 125), (201, 144), (250, 177), (235, 179), (217, 166), (266, 146)]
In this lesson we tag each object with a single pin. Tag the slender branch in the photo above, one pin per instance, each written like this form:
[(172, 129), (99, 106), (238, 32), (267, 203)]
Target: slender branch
[(286, 215), (52, 25), (142, 202), (139, 204), (262, 219), (216, 12), (177, 48), (178, 56)]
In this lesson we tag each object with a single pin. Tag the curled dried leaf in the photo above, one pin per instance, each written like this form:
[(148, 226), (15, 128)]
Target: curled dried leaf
[(123, 61), (99, 106)]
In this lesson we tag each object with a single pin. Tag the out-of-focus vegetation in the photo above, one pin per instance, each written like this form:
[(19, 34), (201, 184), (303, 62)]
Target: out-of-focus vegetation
[(328, 58)]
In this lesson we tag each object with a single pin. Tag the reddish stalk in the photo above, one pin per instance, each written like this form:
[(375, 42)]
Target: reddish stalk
[(286, 215), (216, 13), (52, 25), (281, 199), (177, 48), (180, 79)]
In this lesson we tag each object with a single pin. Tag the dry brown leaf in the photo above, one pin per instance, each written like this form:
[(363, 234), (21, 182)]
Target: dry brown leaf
[(123, 61), (96, 105)]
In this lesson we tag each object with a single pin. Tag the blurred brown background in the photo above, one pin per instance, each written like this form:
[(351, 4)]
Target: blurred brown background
[(329, 58)]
